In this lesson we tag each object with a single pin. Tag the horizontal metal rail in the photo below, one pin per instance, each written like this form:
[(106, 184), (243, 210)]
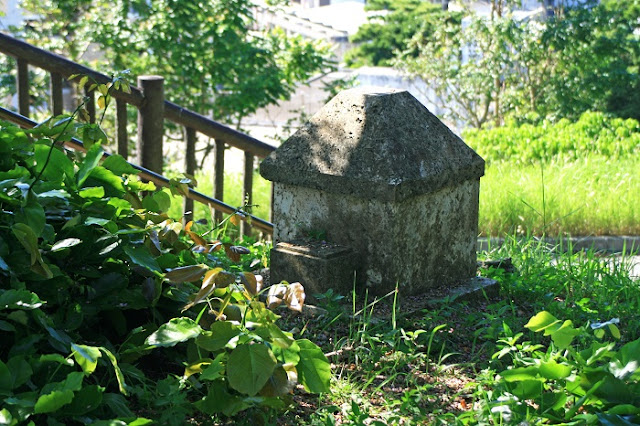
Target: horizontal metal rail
[(149, 175), (57, 64)]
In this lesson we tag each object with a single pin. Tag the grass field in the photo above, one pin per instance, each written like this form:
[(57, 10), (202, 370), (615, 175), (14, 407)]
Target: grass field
[(261, 204), (592, 196), (396, 361)]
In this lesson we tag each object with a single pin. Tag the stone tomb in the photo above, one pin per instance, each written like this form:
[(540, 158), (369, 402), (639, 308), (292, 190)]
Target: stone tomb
[(374, 172)]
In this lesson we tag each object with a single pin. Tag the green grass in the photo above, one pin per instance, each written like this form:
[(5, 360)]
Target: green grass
[(397, 362), (232, 195), (591, 196)]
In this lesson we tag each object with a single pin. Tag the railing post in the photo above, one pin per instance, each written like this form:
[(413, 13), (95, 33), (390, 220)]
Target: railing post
[(151, 122), (218, 180), (56, 93), (189, 168), (122, 138), (247, 196), (23, 87), (90, 105), (271, 196)]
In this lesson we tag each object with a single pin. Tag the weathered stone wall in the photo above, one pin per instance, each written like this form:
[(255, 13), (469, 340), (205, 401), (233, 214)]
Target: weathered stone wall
[(374, 170), (419, 243)]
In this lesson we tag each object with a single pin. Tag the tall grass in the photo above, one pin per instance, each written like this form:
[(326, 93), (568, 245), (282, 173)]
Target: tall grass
[(261, 203), (589, 196)]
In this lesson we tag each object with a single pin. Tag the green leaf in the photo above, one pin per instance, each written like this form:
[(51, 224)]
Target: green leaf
[(219, 400), (6, 418), (122, 386), (288, 356), (58, 194), (118, 404), (91, 161), (72, 382), (613, 390), (275, 336), (107, 179), (624, 409), (142, 257), (541, 321), (85, 400), (56, 358), (141, 421), (175, 331), (615, 332), (528, 389), (157, 202), (119, 166), (519, 374), (20, 371), (53, 401), (120, 205), (92, 134), (278, 384), (551, 370), (66, 243), (314, 369), (215, 369), (29, 241), (86, 357), (221, 332), (32, 214), (249, 367), (189, 273), (137, 185), (6, 326), (97, 221), (615, 420), (92, 192), (6, 381), (627, 361), (58, 167), (563, 335), (19, 299), (81, 83)]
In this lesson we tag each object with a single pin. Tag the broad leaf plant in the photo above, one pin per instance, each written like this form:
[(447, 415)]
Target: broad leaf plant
[(111, 312)]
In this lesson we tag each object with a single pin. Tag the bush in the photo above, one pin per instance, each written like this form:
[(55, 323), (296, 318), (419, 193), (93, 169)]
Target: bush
[(569, 382), (110, 310), (593, 133)]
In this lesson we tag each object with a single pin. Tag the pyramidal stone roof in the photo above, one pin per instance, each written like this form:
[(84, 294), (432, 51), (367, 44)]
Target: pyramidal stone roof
[(374, 143)]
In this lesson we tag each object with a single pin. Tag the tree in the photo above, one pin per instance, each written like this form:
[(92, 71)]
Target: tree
[(469, 67), (211, 54), (583, 58), (387, 32)]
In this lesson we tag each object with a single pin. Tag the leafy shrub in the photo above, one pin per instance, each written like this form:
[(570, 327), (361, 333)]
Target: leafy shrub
[(107, 305), (593, 133), (571, 382)]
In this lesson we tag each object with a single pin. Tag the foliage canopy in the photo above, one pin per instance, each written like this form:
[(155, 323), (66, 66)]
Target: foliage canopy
[(212, 55)]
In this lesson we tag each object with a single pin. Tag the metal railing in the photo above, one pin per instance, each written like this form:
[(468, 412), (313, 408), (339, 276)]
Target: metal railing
[(153, 109)]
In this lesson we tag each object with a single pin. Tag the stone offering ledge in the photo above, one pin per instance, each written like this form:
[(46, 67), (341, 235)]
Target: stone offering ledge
[(379, 174)]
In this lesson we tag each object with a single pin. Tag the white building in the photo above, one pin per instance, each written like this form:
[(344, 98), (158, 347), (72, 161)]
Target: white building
[(10, 14)]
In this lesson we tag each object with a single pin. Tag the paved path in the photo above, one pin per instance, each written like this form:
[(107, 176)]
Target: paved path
[(611, 244), (635, 270)]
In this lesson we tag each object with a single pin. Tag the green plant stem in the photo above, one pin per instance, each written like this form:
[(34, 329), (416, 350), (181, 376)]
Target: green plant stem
[(55, 141)]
